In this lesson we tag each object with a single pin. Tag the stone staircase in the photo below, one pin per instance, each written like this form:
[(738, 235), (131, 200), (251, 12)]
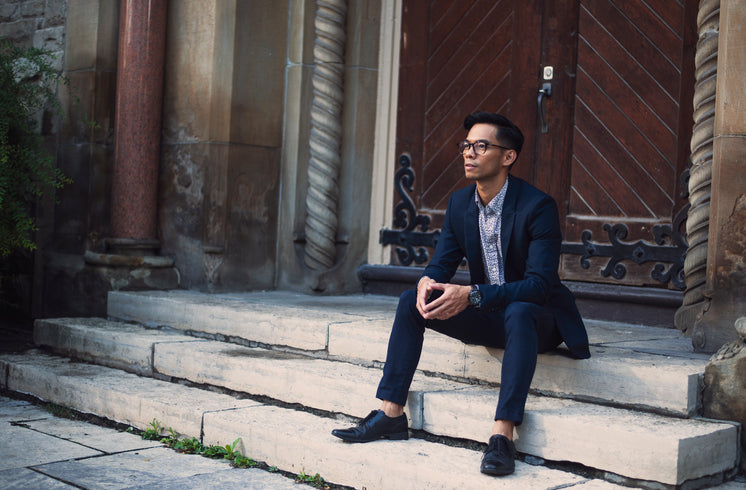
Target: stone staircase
[(280, 370)]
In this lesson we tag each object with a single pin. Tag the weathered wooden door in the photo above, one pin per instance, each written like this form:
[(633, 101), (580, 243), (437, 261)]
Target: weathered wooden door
[(610, 141)]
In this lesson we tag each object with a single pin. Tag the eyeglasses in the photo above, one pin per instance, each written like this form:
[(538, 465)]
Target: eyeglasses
[(480, 147)]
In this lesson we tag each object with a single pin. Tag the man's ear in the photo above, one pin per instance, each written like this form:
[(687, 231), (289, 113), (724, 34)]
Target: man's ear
[(509, 158)]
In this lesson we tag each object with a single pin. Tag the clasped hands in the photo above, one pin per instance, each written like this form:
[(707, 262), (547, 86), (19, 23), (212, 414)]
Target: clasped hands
[(453, 300)]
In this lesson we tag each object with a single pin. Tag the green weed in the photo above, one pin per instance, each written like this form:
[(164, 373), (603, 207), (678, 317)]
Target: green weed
[(315, 480), (152, 433), (229, 452)]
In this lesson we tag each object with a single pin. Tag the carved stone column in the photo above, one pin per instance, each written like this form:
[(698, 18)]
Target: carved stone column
[(700, 172), (326, 135), (725, 295), (142, 38)]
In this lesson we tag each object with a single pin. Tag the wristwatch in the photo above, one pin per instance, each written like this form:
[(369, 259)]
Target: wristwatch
[(475, 296)]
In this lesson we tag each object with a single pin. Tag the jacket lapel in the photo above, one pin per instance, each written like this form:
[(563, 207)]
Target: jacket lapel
[(508, 215)]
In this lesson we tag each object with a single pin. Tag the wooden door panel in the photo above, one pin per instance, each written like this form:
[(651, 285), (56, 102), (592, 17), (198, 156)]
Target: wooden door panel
[(462, 60), (626, 148), (615, 146)]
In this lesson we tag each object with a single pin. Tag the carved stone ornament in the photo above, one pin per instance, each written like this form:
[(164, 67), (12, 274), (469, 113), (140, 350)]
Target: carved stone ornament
[(326, 135)]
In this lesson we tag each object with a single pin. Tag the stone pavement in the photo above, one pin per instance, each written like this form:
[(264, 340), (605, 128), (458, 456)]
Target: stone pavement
[(42, 451)]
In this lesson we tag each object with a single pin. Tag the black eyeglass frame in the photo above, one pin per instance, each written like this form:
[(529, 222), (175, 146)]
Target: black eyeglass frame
[(465, 145)]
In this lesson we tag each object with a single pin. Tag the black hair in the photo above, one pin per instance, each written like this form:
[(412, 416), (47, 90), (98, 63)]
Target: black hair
[(508, 133)]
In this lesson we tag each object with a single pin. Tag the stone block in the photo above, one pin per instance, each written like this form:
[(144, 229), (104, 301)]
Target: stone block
[(51, 39), (249, 316), (116, 395), (9, 12), (617, 376), (55, 13), (92, 35), (32, 8), (368, 340), (298, 441), (632, 444), (259, 54), (316, 383), (20, 31), (724, 395), (114, 344)]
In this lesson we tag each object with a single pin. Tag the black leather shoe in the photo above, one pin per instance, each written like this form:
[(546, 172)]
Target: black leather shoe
[(499, 458), (375, 426)]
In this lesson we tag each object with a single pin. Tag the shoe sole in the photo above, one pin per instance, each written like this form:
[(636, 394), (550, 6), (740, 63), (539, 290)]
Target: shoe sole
[(497, 472), (397, 436)]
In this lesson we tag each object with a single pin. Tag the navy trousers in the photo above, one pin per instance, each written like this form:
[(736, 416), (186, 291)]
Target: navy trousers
[(522, 329)]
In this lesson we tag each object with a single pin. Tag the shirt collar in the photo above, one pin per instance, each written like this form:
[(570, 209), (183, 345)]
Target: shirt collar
[(496, 204)]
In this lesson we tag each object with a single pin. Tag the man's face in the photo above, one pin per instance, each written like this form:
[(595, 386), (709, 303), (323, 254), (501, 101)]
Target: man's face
[(493, 162)]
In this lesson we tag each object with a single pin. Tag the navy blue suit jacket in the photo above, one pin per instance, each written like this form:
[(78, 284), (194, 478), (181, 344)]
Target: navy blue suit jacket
[(531, 240)]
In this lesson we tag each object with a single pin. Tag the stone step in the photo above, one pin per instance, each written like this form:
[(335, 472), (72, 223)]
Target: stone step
[(291, 440), (636, 445), (640, 367)]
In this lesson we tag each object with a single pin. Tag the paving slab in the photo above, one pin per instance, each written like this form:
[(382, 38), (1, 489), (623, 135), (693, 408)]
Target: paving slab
[(136, 468), (111, 393), (103, 439), (25, 479), (300, 442), (231, 479), (114, 344), (32, 448), (20, 410), (633, 444)]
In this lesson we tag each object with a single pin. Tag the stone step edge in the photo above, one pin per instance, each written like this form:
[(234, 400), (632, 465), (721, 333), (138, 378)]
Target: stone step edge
[(560, 379), (639, 438), (169, 365), (220, 419)]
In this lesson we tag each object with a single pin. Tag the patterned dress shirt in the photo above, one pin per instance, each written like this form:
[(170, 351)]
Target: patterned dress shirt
[(490, 220)]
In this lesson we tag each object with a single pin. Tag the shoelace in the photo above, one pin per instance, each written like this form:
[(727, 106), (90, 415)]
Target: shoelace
[(495, 443)]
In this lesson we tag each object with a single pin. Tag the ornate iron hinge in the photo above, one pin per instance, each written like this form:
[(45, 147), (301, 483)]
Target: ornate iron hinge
[(406, 220), (638, 252)]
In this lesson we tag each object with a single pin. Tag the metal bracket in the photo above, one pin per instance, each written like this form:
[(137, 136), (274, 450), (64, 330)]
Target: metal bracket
[(638, 252), (406, 220)]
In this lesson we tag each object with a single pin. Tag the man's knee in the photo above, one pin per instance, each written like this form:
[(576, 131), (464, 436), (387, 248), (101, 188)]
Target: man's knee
[(522, 311), (408, 305)]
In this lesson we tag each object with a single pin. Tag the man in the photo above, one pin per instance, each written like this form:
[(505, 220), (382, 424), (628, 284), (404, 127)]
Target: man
[(509, 232)]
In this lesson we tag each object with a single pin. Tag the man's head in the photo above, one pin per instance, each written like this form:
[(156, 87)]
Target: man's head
[(507, 134), (491, 146)]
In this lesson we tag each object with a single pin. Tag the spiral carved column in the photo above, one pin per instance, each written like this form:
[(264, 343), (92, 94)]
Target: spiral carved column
[(326, 134), (700, 172)]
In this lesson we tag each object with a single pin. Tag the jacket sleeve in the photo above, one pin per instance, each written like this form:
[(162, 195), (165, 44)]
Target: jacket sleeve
[(533, 256), (448, 252)]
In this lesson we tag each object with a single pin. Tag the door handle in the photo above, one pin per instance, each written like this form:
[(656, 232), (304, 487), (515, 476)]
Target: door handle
[(546, 91)]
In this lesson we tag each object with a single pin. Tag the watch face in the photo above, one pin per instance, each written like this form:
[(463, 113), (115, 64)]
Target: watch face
[(474, 297)]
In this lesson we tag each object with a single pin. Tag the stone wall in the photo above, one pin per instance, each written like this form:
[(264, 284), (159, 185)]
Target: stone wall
[(234, 147), (222, 138), (41, 24), (38, 23), (79, 221)]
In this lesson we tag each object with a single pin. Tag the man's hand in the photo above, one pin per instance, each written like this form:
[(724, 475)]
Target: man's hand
[(453, 301)]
